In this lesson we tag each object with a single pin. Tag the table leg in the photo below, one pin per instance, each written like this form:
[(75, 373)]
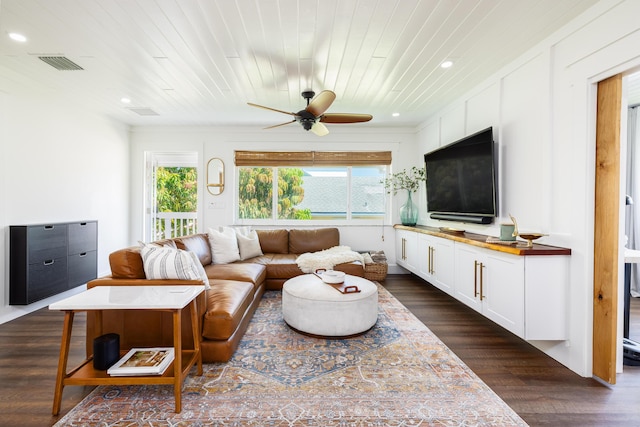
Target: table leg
[(177, 362), (62, 361), (195, 324)]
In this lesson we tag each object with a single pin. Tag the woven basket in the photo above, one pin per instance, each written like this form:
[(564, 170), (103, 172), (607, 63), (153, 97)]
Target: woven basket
[(377, 270)]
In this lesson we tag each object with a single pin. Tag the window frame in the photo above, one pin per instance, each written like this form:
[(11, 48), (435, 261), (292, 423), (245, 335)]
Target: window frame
[(276, 160)]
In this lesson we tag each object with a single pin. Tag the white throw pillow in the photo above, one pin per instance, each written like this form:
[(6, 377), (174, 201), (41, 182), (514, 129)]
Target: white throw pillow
[(224, 245), (168, 263), (248, 243)]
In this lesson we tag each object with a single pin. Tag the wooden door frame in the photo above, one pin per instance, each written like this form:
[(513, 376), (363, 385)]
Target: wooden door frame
[(606, 228)]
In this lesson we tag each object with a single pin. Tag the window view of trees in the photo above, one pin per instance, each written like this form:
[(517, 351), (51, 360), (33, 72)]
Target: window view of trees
[(176, 201), (176, 189), (255, 193), (311, 193)]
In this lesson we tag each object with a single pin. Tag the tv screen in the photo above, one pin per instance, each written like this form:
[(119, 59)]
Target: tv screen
[(461, 177)]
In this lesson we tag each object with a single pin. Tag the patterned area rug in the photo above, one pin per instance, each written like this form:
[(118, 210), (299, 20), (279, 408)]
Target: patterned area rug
[(397, 374)]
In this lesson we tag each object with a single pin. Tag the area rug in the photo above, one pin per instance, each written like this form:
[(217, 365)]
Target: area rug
[(397, 374)]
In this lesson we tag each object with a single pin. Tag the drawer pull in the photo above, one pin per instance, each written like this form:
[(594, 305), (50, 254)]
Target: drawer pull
[(82, 224), (49, 262), (49, 227), (83, 254)]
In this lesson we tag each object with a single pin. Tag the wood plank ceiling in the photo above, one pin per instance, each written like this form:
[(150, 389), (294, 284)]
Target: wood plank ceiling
[(199, 61)]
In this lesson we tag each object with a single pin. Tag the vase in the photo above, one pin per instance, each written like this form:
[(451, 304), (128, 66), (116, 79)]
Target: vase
[(409, 212)]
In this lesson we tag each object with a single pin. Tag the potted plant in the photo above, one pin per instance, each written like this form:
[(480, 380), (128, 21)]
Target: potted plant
[(406, 180)]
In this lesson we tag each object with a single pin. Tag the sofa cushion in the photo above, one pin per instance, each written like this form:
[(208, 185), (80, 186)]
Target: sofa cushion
[(314, 240), (227, 301), (197, 243), (224, 245), (283, 266), (127, 263), (274, 241), (241, 272)]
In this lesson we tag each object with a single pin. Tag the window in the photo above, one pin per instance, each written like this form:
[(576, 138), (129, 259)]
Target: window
[(311, 186)]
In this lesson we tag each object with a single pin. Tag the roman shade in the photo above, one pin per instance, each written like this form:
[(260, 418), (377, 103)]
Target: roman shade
[(312, 158)]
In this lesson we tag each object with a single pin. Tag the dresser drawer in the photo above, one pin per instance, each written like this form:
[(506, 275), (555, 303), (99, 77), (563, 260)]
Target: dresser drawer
[(46, 242), (44, 279), (83, 237), (82, 268)]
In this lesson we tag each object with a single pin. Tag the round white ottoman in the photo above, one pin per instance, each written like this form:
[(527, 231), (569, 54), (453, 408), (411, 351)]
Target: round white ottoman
[(313, 307)]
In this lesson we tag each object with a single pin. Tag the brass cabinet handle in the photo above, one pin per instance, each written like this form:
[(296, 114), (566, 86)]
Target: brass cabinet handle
[(481, 282), (432, 251), (404, 241), (475, 278)]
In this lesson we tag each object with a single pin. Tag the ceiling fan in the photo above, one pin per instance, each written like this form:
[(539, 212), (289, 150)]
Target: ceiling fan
[(313, 117)]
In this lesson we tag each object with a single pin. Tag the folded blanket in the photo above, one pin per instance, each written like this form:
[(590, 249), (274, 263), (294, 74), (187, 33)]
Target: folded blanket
[(309, 262)]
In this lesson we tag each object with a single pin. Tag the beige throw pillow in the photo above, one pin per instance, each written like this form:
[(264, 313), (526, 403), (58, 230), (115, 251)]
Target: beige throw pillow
[(248, 243), (224, 245)]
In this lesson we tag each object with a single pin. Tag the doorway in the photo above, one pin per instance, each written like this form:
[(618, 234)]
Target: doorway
[(171, 195)]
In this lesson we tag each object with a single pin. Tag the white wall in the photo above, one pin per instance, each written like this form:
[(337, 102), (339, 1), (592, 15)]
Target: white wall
[(221, 142), (59, 164), (542, 107)]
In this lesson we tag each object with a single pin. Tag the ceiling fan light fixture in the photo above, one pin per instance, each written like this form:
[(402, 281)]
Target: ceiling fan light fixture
[(312, 117)]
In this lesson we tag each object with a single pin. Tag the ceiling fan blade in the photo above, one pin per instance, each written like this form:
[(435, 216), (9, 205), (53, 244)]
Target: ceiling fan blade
[(321, 103), (319, 129), (272, 109), (345, 118), (281, 124)]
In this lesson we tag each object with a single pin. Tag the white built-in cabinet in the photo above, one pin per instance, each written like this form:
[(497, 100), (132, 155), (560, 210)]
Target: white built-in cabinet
[(523, 290), (491, 283), (436, 262), (407, 249)]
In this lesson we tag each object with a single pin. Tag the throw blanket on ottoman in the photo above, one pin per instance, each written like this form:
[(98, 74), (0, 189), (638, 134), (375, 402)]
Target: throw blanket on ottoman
[(309, 262)]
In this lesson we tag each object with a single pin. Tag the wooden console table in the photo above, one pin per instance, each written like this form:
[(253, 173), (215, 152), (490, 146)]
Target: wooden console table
[(160, 298)]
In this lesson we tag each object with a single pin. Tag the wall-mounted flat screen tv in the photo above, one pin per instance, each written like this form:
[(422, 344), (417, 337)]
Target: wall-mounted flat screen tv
[(461, 182)]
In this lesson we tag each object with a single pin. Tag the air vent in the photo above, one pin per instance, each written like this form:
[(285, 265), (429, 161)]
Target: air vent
[(144, 111), (61, 63)]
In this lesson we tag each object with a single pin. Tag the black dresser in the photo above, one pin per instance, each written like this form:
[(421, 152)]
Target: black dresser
[(46, 259)]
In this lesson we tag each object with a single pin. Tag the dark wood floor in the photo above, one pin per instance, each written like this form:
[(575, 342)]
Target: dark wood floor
[(541, 390)]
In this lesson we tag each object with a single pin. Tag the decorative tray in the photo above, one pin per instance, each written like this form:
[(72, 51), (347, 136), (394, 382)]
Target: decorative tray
[(342, 287)]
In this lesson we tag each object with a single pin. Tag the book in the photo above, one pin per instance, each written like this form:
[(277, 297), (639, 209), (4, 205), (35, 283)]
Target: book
[(143, 361)]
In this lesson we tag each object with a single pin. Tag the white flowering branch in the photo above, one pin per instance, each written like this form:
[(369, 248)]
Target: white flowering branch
[(405, 180)]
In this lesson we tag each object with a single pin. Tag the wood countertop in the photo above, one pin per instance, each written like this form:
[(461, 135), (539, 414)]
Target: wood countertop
[(480, 240)]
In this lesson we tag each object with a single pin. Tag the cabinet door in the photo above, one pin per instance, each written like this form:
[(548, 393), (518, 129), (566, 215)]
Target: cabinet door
[(443, 260), (436, 262), (425, 265), (503, 291), (46, 242), (82, 268), (467, 276), (407, 249), (83, 237)]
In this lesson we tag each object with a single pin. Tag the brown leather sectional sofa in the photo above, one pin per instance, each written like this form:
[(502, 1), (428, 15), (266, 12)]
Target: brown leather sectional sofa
[(226, 308)]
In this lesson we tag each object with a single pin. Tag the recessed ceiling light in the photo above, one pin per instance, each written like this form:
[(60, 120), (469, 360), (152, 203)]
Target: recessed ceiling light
[(396, 114), (17, 37), (446, 64), (125, 100)]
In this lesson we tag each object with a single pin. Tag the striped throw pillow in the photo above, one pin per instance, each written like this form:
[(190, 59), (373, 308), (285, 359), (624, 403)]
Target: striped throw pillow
[(168, 263)]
